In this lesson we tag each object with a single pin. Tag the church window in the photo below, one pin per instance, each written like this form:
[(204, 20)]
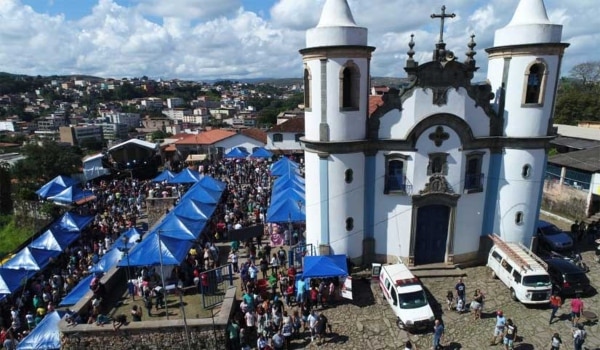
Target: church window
[(349, 224), (395, 179), (348, 176), (438, 164), (535, 80), (473, 175), (526, 172), (277, 138), (519, 218), (297, 137), (349, 87), (307, 90)]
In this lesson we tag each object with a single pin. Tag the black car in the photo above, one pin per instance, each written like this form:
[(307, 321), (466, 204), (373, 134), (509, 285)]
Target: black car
[(567, 278)]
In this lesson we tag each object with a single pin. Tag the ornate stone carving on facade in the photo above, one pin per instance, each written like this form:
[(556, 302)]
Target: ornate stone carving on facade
[(437, 184)]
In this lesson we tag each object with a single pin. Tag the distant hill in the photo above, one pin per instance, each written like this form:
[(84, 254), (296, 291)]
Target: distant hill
[(386, 81)]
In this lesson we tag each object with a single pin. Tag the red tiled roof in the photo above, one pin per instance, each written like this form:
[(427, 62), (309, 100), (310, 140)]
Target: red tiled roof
[(290, 125), (205, 138), (374, 102), (256, 134)]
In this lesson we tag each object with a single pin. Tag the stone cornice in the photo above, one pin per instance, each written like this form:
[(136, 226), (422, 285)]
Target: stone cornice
[(551, 49), (324, 52)]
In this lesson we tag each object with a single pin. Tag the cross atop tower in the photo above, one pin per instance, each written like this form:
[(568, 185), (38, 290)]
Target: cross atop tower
[(442, 16)]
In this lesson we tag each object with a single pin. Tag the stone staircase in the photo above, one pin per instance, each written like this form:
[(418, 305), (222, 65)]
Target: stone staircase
[(437, 270), (593, 218)]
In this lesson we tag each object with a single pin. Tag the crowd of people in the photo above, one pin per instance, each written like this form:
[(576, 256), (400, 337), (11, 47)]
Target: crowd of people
[(118, 205)]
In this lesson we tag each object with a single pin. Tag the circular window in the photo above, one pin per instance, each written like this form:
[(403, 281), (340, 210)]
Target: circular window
[(349, 224), (526, 172)]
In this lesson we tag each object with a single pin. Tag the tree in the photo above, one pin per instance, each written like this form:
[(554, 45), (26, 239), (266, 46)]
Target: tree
[(45, 162), (576, 102), (587, 72), (6, 207)]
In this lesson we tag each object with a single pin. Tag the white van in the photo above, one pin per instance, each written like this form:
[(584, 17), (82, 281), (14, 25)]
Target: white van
[(522, 271), (406, 296)]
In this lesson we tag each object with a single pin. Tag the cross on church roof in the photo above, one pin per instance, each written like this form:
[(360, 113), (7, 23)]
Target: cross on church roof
[(442, 16)]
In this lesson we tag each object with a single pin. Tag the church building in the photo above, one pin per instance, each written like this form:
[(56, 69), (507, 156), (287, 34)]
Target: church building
[(436, 166)]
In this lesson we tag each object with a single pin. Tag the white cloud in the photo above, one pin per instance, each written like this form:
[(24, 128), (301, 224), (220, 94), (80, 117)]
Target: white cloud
[(188, 9), (212, 39)]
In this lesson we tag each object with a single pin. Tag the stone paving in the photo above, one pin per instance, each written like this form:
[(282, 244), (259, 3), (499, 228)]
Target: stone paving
[(367, 322)]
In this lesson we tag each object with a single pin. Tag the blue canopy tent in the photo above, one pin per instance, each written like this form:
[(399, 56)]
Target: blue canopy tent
[(73, 222), (237, 152), (201, 194), (127, 239), (166, 175), (179, 227), (212, 192), (325, 266), (78, 292), (290, 193), (150, 249), (31, 259), (186, 176), (45, 336), (72, 194), (54, 239), (193, 209), (55, 186), (261, 152), (284, 167), (283, 183), (11, 280), (287, 210), (108, 261), (211, 183)]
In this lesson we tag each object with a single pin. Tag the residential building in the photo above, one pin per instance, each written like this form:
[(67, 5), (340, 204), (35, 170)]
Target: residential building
[(81, 134)]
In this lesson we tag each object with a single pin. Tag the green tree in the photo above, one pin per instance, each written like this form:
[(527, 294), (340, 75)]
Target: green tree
[(6, 207), (45, 162)]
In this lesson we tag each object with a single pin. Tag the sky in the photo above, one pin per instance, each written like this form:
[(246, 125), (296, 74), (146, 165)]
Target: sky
[(245, 39)]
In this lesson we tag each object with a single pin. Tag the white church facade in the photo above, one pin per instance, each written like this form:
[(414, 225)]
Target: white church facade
[(439, 164)]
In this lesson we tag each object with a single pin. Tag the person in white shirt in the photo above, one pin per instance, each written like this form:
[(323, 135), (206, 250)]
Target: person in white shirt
[(312, 322)]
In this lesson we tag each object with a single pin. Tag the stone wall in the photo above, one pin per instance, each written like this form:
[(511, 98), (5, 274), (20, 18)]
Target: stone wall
[(156, 208), (564, 200), (163, 334)]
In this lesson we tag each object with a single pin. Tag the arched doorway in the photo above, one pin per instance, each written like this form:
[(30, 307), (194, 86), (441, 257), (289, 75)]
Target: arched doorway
[(431, 234)]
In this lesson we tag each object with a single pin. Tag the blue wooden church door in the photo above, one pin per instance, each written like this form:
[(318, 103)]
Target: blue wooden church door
[(431, 234)]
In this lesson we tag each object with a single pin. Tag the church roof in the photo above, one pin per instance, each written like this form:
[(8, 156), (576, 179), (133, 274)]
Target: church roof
[(530, 12), (374, 102), (336, 13)]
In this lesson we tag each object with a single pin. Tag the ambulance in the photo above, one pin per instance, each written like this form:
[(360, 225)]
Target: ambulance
[(405, 294)]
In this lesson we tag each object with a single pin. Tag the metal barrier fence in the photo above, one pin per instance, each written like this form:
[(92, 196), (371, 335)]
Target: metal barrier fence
[(214, 283), (299, 251)]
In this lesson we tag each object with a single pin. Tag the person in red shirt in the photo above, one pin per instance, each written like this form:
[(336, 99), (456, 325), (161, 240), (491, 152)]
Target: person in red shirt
[(576, 309), (555, 303), (314, 296)]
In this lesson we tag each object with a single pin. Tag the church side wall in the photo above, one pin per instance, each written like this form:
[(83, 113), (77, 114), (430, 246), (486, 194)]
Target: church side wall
[(346, 201), (313, 199), (518, 194)]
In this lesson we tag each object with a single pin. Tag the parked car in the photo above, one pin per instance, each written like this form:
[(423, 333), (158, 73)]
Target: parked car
[(567, 278), (552, 238)]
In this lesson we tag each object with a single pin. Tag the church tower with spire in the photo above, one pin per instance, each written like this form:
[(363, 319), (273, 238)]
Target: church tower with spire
[(336, 75), (524, 67)]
